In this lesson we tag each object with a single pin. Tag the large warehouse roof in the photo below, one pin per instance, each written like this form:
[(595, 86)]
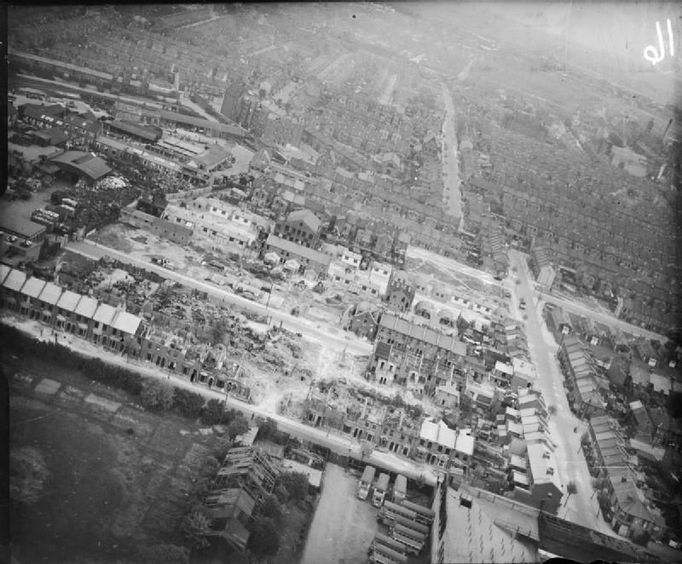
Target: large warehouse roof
[(83, 164)]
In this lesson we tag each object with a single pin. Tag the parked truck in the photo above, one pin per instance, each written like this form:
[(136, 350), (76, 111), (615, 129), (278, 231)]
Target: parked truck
[(366, 481), (380, 490), (399, 488)]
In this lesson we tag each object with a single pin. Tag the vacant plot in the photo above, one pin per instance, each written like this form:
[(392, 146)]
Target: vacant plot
[(343, 526), (93, 478)]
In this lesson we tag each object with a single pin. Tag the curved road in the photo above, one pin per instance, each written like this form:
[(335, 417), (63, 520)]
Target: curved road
[(347, 341)]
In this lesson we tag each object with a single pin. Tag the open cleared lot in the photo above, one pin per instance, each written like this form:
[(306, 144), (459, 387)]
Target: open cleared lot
[(343, 526)]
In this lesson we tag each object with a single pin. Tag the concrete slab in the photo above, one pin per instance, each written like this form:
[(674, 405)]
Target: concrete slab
[(343, 526), (48, 386), (104, 403)]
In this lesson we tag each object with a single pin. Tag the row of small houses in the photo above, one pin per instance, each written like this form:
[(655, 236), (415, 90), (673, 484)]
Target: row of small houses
[(116, 329)]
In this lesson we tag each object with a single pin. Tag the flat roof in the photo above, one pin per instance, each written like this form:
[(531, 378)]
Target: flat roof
[(50, 293), (465, 442), (86, 306), (69, 300), (33, 287), (17, 225)]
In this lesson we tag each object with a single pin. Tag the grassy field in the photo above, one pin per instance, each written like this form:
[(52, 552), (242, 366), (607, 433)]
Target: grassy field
[(95, 477)]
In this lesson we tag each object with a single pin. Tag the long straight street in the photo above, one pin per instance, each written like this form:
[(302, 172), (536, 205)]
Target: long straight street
[(581, 507), (335, 441), (452, 195), (609, 319), (347, 341)]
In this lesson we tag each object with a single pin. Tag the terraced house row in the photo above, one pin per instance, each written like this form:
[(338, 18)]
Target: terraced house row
[(116, 329)]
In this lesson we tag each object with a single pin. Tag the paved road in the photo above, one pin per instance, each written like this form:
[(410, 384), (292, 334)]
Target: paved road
[(452, 194), (447, 264), (581, 507), (348, 341), (600, 316), (343, 526), (336, 442)]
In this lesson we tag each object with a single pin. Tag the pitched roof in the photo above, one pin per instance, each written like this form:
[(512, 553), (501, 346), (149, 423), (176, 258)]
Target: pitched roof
[(4, 271), (50, 294), (83, 163), (147, 132), (422, 333), (33, 287), (15, 280), (126, 322), (69, 300), (479, 531), (211, 157), (86, 307), (104, 314), (307, 217), (300, 250), (438, 433)]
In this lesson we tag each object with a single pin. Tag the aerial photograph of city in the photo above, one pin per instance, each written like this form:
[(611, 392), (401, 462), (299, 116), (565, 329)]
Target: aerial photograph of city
[(342, 283)]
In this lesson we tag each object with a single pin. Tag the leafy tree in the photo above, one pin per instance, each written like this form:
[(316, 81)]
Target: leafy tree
[(571, 488), (264, 539), (295, 483), (163, 554), (195, 526), (551, 409), (188, 403), (238, 426), (267, 429), (213, 413), (157, 395), (641, 537), (272, 509)]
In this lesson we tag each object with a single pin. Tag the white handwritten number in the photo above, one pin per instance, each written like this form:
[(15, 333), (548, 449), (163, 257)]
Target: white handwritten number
[(656, 56)]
